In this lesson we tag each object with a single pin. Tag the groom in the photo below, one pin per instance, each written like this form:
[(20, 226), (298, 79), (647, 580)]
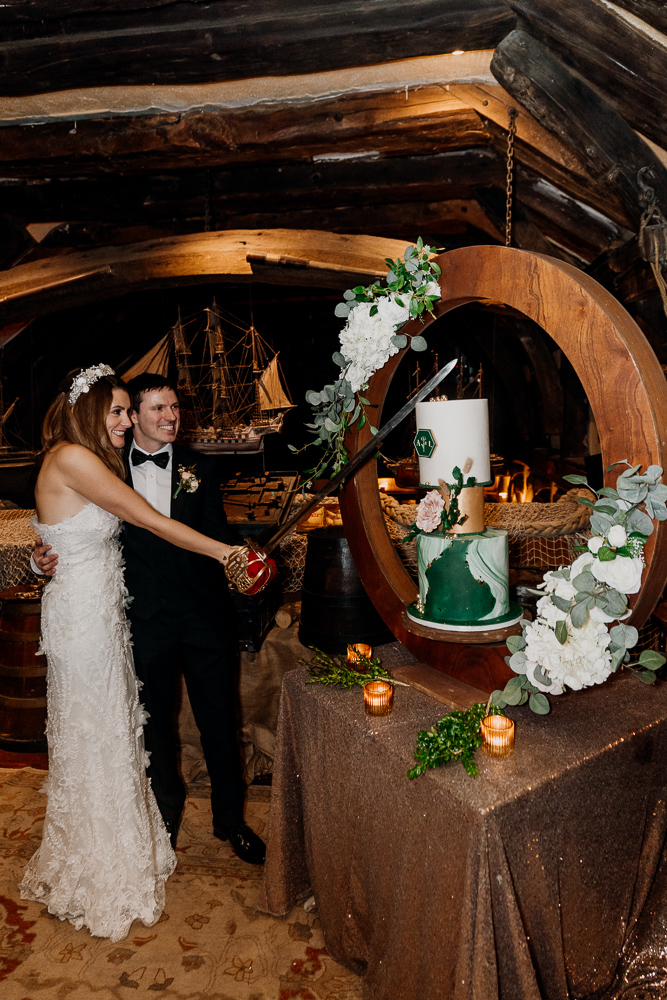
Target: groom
[(181, 616)]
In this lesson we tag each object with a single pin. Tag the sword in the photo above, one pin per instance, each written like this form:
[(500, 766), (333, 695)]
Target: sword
[(355, 463)]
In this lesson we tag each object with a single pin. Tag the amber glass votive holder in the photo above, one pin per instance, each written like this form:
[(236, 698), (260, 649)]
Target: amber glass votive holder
[(378, 698), (497, 736), (357, 653)]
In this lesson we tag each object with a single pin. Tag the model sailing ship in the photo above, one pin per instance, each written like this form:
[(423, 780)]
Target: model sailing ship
[(11, 457), (231, 387)]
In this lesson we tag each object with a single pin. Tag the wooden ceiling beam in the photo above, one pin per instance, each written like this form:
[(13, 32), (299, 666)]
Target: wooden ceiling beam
[(422, 120), (406, 219), (574, 111), (653, 12), (42, 287), (151, 199), (22, 11), (624, 59), (493, 102), (228, 39)]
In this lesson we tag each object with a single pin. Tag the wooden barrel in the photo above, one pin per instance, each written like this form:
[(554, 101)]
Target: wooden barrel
[(335, 609), (22, 672)]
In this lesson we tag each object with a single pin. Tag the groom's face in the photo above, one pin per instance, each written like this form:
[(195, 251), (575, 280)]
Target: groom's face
[(156, 420)]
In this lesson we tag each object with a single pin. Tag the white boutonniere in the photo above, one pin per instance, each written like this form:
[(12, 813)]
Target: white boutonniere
[(188, 480)]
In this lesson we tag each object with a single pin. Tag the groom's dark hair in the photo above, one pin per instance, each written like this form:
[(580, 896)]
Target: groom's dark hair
[(148, 382)]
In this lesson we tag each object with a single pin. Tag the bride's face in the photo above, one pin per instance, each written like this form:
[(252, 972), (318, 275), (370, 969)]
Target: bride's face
[(118, 419)]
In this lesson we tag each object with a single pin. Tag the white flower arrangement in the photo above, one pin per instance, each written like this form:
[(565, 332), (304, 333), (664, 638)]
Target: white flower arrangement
[(374, 315), (188, 481), (569, 645)]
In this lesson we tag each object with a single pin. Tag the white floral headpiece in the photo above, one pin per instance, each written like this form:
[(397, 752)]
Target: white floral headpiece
[(86, 378)]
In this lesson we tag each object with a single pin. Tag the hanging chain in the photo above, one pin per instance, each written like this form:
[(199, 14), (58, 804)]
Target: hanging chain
[(511, 132), (207, 201), (652, 249)]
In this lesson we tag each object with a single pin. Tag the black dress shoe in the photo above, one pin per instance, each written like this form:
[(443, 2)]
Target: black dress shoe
[(246, 845)]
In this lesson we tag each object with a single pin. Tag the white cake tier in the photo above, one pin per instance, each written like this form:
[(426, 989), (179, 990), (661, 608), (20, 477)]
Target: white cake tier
[(459, 428)]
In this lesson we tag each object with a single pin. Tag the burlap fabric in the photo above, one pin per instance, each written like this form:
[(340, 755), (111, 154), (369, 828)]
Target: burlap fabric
[(17, 540), (525, 882)]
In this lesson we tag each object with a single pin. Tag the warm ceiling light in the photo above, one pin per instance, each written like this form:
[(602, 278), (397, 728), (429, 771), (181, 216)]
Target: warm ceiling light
[(458, 52)]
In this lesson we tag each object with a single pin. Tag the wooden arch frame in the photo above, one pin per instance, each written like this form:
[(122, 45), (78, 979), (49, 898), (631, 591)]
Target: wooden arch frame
[(627, 391)]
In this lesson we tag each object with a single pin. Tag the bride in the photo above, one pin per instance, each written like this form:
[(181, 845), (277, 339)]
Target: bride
[(105, 854)]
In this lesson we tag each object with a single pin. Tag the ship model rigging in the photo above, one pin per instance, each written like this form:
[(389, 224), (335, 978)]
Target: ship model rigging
[(11, 456), (231, 386)]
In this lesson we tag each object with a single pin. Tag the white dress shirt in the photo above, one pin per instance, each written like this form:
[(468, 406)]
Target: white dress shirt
[(151, 482)]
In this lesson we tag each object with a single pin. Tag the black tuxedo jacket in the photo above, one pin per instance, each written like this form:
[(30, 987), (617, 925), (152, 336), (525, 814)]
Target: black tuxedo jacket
[(161, 576)]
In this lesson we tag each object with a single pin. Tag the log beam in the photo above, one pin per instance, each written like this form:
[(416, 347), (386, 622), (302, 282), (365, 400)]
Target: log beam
[(139, 199), (624, 59), (228, 39), (42, 287), (572, 110), (424, 120)]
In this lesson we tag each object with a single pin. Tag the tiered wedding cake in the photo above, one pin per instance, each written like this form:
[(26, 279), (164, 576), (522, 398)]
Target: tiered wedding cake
[(463, 570)]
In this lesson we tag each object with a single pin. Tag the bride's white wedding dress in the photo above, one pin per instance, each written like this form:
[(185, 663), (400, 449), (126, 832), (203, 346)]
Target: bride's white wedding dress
[(105, 854)]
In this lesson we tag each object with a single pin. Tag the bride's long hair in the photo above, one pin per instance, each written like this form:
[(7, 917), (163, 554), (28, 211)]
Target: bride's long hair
[(85, 421)]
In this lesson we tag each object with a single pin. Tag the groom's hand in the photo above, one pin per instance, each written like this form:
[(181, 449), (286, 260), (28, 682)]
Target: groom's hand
[(45, 560)]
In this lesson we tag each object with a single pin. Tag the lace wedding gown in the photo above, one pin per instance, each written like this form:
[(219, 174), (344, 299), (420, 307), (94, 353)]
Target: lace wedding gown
[(105, 854)]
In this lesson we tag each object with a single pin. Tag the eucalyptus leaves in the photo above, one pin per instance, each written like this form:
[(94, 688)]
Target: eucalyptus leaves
[(373, 314), (569, 644)]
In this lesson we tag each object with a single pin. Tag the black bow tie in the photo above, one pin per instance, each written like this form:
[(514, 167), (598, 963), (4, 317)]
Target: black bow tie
[(161, 459)]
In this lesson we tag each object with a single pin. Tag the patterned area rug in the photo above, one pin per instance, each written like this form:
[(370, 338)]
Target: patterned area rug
[(210, 944)]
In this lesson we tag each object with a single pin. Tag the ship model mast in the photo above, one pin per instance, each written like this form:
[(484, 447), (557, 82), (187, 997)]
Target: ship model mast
[(232, 388)]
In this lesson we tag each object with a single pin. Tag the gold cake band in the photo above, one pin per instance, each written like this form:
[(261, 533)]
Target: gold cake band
[(471, 503)]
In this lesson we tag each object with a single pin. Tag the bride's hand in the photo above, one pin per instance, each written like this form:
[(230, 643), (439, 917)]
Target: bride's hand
[(247, 568)]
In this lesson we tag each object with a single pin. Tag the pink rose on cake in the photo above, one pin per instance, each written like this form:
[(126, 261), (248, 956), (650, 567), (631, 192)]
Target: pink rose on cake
[(429, 511)]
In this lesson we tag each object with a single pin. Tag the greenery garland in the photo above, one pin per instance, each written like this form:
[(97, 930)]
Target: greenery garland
[(411, 285), (455, 736), (333, 670)]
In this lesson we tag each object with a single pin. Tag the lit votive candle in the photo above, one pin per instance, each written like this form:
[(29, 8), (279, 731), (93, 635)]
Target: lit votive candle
[(356, 653), (497, 736), (378, 698)]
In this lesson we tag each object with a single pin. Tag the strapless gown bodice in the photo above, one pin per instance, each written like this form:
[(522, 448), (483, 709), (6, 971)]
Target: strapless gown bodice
[(105, 854)]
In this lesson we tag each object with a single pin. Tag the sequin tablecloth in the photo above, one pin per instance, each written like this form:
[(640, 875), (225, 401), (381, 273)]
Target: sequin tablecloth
[(524, 883)]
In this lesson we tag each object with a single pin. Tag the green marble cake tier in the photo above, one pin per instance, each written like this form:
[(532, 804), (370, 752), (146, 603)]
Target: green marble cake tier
[(463, 581)]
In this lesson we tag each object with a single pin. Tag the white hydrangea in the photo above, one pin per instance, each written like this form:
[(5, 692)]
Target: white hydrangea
[(366, 339), (583, 660)]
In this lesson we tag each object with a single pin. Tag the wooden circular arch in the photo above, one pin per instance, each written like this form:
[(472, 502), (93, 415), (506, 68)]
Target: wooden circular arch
[(623, 381)]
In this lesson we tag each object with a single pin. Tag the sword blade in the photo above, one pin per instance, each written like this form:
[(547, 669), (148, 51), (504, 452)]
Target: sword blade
[(357, 460)]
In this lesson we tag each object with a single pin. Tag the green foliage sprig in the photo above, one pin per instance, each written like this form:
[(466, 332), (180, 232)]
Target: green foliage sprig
[(455, 737), (337, 407), (411, 275), (333, 670)]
